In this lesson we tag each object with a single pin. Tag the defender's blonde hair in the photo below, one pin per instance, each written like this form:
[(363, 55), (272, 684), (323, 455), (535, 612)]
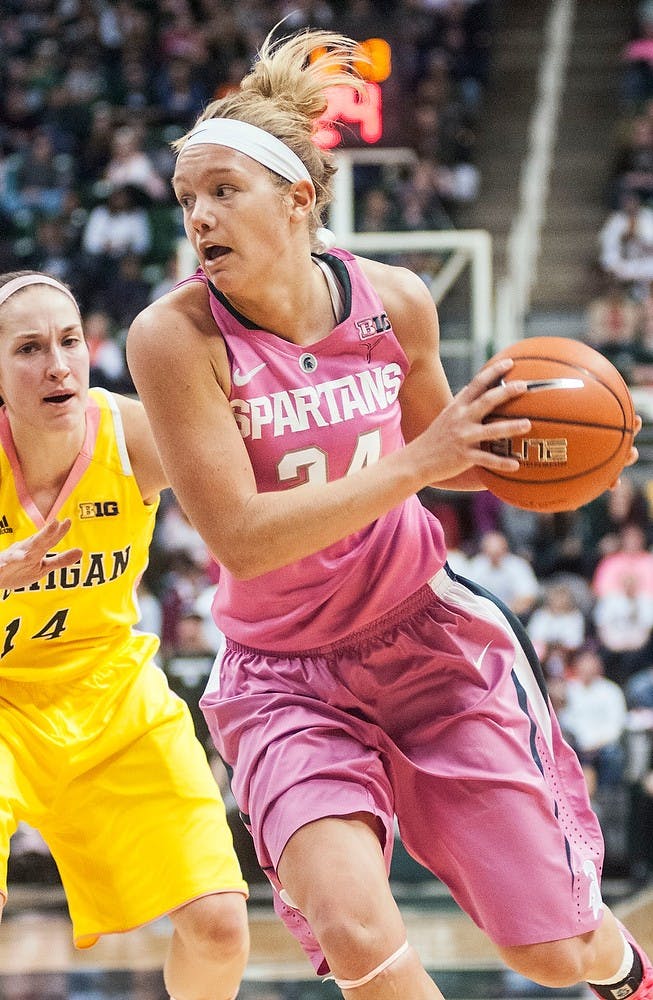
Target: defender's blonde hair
[(285, 94)]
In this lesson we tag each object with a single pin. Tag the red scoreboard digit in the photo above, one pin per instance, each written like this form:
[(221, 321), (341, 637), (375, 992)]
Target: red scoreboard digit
[(345, 104)]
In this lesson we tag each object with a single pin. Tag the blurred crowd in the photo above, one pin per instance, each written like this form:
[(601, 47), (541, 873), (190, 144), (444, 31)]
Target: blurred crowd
[(92, 93), (619, 318)]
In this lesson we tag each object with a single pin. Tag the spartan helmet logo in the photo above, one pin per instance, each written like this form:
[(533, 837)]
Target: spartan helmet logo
[(308, 362)]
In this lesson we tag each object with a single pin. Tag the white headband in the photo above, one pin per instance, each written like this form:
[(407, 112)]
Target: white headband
[(23, 280), (262, 146)]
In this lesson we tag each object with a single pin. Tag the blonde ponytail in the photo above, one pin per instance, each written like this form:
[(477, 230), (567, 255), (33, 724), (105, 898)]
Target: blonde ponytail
[(285, 93)]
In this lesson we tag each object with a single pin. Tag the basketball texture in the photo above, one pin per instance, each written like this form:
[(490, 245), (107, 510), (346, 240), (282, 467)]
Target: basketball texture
[(582, 426)]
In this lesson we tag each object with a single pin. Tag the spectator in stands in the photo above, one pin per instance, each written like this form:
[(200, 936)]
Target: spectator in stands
[(423, 195), (556, 545), (462, 33), (181, 37), (639, 698), (192, 636), (633, 167), (601, 521), (174, 532), (378, 212), (188, 664), (149, 605), (639, 689), (448, 513), (55, 250), (131, 165), (595, 715), (626, 244), (631, 561), (443, 149), (84, 78), (638, 60), (509, 576), (183, 583), (640, 851), (95, 152), (558, 626), (623, 620), (42, 179), (180, 93), (126, 292), (168, 280), (642, 370), (116, 227), (612, 322), (108, 367)]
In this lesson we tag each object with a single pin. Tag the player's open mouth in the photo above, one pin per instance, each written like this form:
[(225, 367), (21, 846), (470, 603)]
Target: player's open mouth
[(214, 252), (59, 397)]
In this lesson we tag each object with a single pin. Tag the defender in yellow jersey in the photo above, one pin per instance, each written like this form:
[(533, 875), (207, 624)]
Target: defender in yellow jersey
[(95, 750)]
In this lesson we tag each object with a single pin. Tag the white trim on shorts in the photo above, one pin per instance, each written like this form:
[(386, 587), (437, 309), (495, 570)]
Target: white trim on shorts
[(454, 591)]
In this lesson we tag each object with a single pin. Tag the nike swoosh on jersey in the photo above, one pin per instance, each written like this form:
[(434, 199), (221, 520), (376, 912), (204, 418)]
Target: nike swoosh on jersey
[(242, 378)]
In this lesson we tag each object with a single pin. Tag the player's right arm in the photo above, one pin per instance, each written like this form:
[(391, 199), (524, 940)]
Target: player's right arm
[(27, 561), (179, 365)]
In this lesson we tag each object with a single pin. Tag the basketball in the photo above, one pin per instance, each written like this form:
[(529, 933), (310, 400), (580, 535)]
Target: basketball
[(582, 426)]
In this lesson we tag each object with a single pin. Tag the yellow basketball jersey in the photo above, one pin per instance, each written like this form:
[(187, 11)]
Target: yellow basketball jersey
[(73, 620)]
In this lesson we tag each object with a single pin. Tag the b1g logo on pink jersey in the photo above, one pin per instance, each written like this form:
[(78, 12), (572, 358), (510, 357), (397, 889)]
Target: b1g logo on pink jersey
[(373, 326)]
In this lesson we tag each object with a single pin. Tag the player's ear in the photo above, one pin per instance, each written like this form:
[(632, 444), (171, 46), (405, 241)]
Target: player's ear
[(301, 198)]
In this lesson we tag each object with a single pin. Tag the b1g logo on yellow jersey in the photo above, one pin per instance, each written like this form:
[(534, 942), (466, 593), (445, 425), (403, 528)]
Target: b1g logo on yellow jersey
[(98, 508)]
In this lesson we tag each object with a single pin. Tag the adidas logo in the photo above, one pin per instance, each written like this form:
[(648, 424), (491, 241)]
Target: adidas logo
[(4, 526)]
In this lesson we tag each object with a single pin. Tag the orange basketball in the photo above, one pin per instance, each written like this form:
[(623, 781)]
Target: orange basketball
[(582, 426)]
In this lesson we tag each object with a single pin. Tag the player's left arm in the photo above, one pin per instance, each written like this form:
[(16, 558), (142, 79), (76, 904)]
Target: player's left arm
[(414, 318), (143, 454)]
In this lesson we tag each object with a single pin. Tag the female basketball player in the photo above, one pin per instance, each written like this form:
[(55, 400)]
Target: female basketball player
[(299, 403), (95, 751)]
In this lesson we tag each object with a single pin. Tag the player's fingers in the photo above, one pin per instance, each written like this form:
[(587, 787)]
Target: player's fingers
[(62, 559), (57, 528), (496, 429), (51, 534), (633, 456), (499, 394), (488, 376), (494, 461)]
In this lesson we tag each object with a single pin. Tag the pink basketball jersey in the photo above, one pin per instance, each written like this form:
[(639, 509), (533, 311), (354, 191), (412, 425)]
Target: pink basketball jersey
[(314, 414)]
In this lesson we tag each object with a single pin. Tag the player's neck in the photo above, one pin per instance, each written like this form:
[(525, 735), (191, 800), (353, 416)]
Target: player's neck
[(302, 315), (45, 464)]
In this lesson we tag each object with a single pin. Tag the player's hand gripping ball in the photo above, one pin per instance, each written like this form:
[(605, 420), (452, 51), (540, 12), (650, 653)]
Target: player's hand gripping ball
[(582, 426)]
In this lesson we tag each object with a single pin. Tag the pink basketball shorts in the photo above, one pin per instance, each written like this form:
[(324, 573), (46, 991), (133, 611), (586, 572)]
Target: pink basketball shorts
[(436, 714)]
